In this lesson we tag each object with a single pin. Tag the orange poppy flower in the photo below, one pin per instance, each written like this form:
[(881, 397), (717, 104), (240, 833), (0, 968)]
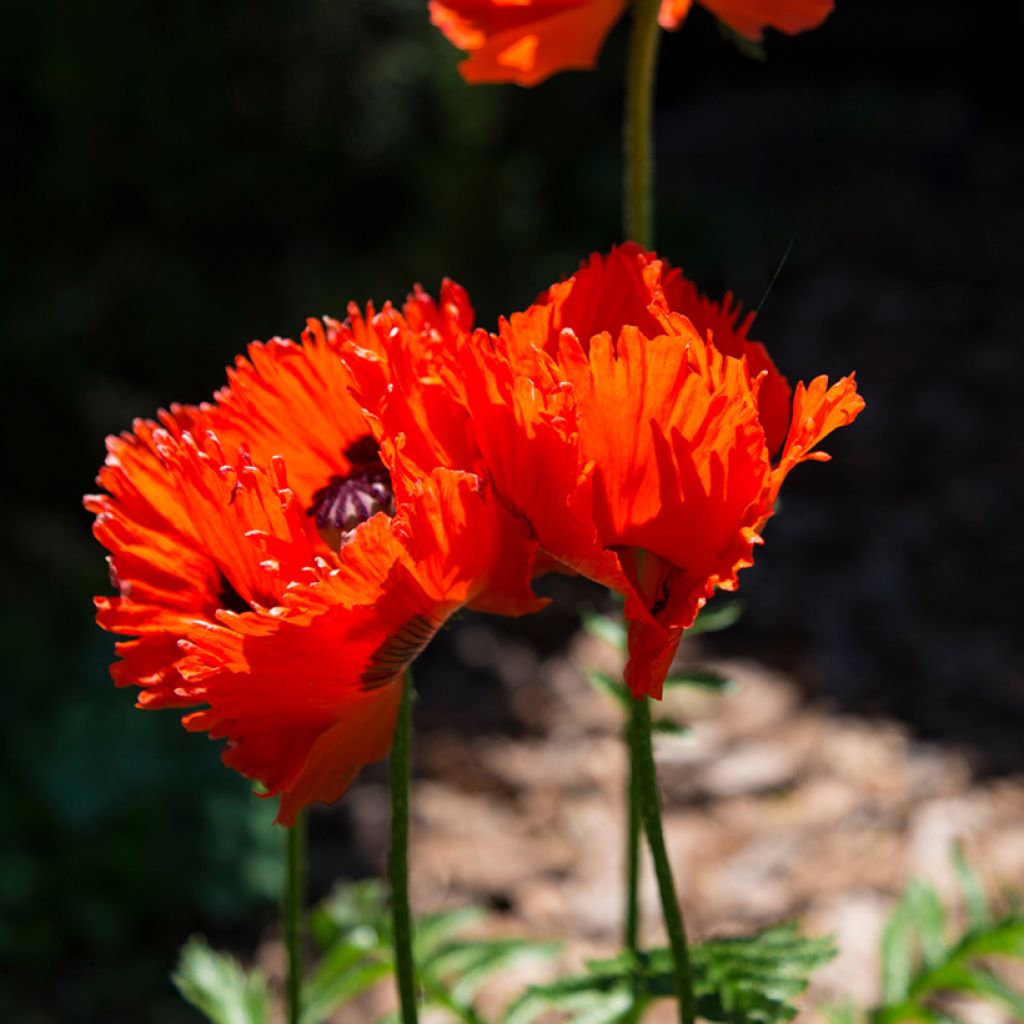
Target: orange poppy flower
[(288, 601), (526, 41), (636, 427)]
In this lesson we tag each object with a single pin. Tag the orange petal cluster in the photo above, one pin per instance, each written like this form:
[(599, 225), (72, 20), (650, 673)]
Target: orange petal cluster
[(282, 553), (236, 600), (527, 41)]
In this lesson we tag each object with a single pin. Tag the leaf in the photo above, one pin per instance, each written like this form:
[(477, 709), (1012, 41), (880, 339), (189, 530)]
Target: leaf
[(712, 681), (713, 618), (747, 980), (215, 984), (755, 978), (847, 1013), (1002, 938), (434, 929), (356, 911), (592, 1002), (919, 921), (610, 687), (327, 992), (669, 727), (897, 956), (972, 890), (474, 962), (611, 630), (927, 916), (748, 47)]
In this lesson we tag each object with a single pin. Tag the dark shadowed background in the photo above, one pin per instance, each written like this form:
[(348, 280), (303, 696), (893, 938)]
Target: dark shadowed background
[(183, 178)]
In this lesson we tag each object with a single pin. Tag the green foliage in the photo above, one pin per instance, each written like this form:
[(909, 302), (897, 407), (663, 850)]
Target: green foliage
[(747, 980), (713, 618), (922, 965), (717, 616), (748, 47), (612, 630), (352, 928), (218, 986)]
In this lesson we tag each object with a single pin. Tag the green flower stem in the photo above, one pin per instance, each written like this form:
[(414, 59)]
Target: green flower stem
[(294, 902), (638, 129), (631, 925), (398, 855), (638, 225), (650, 812)]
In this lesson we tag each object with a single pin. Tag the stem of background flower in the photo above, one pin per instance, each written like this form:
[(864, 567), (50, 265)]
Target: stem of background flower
[(638, 128), (294, 901), (398, 855), (650, 811)]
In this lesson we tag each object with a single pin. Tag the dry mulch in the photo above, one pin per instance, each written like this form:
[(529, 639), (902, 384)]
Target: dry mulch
[(775, 807)]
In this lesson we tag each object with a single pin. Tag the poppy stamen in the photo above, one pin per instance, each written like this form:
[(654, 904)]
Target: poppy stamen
[(348, 501)]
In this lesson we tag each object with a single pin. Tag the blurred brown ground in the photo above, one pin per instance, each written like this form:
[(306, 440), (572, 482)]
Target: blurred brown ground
[(776, 807)]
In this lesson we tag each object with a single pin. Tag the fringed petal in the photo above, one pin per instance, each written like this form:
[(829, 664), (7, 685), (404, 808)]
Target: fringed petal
[(525, 41)]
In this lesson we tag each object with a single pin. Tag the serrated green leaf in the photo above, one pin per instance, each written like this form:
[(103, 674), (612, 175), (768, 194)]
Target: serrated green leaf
[(713, 618), (712, 681), (754, 978), (609, 1010), (216, 985), (482, 960), (585, 1006), (972, 890), (433, 930), (747, 980), (577, 992), (323, 999)]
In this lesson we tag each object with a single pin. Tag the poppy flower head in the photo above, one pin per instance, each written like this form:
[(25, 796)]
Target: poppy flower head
[(285, 606), (750, 18), (662, 421), (527, 41)]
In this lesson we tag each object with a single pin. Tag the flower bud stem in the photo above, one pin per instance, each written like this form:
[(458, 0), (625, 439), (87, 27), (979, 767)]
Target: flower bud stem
[(398, 855), (638, 128), (650, 812), (294, 901)]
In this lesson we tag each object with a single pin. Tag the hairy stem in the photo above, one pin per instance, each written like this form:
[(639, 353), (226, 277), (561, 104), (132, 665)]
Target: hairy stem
[(398, 855), (631, 924), (650, 811), (294, 902), (638, 128)]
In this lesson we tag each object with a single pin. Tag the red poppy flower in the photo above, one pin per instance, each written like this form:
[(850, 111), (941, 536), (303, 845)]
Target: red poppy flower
[(288, 601), (635, 426), (526, 41)]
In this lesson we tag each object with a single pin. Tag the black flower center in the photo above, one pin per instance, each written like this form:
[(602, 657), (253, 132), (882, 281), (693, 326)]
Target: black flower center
[(347, 501), (230, 599)]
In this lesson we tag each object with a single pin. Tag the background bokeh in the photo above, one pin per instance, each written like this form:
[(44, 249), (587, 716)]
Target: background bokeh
[(183, 178)]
